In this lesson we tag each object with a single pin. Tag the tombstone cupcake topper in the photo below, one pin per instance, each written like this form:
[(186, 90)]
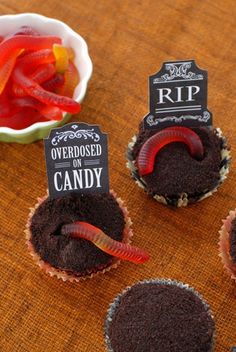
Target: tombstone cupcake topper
[(77, 160), (178, 96), (177, 156)]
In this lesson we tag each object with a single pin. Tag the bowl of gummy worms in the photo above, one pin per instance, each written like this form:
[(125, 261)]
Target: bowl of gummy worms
[(44, 71)]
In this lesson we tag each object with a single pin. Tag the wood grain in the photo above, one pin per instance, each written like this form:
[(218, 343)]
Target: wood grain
[(128, 40)]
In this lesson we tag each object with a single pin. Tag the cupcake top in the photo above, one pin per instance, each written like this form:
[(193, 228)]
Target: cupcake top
[(160, 316), (176, 171), (75, 255), (232, 239)]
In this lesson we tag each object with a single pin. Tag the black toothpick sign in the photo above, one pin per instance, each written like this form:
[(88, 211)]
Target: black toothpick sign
[(77, 160), (178, 96)]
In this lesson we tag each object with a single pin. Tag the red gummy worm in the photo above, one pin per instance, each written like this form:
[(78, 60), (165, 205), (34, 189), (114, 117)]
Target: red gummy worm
[(41, 74), (25, 42), (32, 60), (54, 82), (27, 30), (93, 234), (152, 146), (49, 112), (22, 119), (7, 69), (5, 110), (48, 98), (17, 91)]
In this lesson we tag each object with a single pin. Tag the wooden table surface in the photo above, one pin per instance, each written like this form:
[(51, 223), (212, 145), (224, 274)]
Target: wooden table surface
[(128, 41)]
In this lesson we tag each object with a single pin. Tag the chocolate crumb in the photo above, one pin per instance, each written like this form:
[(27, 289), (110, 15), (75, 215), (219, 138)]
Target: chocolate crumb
[(161, 318), (77, 256), (176, 171)]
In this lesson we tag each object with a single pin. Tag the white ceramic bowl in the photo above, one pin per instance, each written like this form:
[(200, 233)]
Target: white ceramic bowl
[(48, 26)]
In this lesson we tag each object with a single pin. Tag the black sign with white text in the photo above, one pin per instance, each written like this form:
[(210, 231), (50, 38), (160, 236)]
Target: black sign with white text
[(178, 96), (77, 160)]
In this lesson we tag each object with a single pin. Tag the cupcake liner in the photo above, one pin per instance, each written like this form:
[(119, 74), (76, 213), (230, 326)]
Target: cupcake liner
[(114, 305), (183, 199), (65, 275), (224, 245)]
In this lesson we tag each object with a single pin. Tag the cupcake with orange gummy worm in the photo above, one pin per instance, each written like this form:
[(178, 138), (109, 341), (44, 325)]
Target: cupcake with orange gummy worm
[(63, 239), (228, 243)]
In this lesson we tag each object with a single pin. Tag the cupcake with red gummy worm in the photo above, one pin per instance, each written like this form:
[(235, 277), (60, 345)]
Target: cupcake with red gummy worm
[(177, 177), (77, 236), (228, 243), (159, 315)]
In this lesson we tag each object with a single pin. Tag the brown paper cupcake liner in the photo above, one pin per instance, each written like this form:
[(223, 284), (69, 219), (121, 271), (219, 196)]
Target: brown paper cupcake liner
[(62, 274), (224, 245), (114, 305), (183, 199)]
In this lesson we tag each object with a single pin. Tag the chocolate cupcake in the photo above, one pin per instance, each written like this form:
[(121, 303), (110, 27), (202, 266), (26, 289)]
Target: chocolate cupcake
[(228, 243), (160, 316), (178, 179), (71, 258)]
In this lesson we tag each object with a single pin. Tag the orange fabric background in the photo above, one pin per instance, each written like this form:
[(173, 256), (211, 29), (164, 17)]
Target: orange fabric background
[(128, 41)]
